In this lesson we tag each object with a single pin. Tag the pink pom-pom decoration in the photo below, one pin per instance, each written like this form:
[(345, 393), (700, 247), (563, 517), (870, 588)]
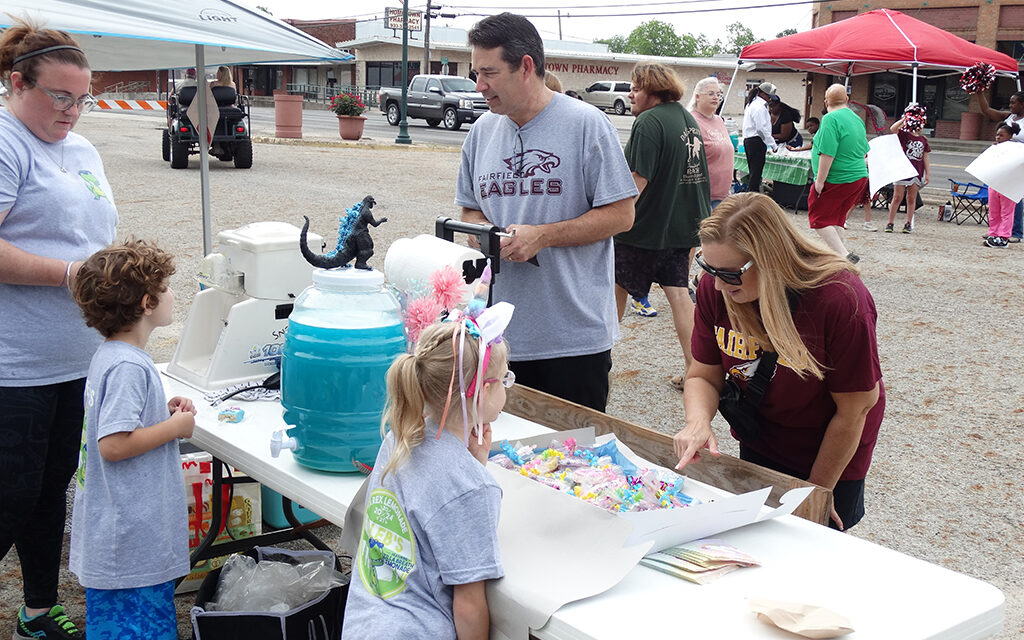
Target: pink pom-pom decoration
[(978, 77), (914, 117), (447, 286), (420, 314)]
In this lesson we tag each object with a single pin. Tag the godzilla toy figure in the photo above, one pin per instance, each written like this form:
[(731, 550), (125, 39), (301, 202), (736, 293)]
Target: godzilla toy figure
[(354, 239)]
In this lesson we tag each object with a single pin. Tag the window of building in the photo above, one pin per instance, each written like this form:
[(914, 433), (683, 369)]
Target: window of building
[(388, 74)]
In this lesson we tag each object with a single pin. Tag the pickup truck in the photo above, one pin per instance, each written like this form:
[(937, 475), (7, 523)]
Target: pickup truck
[(608, 94), (448, 99)]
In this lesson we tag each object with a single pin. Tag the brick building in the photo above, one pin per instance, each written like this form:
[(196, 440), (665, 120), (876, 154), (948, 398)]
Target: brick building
[(996, 24)]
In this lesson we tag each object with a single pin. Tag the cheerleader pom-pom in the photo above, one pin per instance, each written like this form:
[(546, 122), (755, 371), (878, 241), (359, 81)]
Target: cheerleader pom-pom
[(914, 117), (978, 77)]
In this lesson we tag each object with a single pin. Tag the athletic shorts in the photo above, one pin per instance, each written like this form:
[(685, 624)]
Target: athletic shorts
[(829, 208), (145, 612), (636, 269)]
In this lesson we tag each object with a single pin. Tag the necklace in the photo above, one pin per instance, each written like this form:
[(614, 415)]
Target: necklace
[(60, 165)]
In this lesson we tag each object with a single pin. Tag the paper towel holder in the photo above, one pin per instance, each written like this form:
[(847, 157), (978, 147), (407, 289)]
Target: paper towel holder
[(488, 235)]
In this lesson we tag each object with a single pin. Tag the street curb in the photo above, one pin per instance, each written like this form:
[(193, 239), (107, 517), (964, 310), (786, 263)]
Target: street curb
[(356, 144)]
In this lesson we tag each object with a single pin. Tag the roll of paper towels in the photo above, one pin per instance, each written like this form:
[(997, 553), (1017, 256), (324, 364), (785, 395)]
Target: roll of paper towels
[(410, 262)]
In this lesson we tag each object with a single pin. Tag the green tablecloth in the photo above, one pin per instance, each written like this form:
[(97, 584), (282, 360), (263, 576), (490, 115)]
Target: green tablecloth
[(783, 168)]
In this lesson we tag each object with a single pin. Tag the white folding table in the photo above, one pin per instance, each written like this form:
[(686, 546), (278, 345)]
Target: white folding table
[(885, 594)]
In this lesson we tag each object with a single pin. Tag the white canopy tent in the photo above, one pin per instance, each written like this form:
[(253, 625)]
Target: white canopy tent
[(128, 35)]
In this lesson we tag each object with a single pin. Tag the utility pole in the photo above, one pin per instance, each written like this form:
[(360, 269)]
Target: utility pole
[(559, 24), (403, 124), (426, 38)]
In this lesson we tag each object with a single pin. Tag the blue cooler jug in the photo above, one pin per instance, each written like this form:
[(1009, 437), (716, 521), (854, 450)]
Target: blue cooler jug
[(343, 334)]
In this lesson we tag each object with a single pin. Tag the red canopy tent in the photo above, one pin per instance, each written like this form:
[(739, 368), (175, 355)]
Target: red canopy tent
[(872, 42)]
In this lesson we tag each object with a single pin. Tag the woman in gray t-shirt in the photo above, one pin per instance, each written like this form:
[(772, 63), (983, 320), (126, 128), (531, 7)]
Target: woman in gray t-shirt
[(55, 211)]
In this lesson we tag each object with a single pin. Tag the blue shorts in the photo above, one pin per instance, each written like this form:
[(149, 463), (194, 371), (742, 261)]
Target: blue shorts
[(130, 614)]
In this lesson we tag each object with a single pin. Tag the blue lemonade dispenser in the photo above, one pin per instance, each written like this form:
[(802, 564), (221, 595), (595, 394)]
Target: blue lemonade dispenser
[(343, 334)]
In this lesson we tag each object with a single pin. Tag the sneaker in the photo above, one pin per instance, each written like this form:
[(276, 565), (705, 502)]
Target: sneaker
[(888, 228), (853, 257), (643, 308), (996, 242), (677, 382), (869, 227), (51, 625), (1013, 239), (907, 228)]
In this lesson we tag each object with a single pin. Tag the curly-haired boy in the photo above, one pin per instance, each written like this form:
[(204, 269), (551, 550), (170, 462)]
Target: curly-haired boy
[(129, 530)]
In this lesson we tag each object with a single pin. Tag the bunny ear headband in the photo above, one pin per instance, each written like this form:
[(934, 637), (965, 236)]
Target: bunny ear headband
[(486, 325)]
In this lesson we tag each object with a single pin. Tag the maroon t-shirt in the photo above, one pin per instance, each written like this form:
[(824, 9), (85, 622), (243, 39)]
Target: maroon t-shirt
[(837, 324), (915, 147)]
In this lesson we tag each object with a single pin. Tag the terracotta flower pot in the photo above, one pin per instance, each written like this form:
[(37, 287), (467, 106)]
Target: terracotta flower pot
[(351, 127)]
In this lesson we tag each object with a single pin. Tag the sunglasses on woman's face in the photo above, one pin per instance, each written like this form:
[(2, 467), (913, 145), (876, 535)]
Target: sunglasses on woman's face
[(728, 277)]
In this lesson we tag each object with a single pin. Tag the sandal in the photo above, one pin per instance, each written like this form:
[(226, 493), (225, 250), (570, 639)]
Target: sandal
[(677, 382)]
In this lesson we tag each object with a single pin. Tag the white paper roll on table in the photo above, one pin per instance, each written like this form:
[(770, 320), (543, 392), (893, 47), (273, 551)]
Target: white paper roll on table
[(410, 261)]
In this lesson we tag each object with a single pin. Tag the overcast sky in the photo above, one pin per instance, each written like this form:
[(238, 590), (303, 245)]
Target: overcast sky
[(765, 23)]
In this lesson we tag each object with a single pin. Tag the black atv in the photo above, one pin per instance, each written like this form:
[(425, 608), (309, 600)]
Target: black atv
[(231, 139)]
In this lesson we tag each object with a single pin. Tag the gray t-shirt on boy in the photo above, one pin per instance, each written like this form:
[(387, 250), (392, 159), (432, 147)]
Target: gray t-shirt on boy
[(429, 525), (559, 165), (129, 527)]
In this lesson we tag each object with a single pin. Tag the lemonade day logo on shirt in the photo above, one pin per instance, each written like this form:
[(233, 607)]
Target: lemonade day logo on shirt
[(387, 549)]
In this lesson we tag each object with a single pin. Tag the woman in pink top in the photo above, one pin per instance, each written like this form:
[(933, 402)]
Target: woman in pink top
[(707, 95)]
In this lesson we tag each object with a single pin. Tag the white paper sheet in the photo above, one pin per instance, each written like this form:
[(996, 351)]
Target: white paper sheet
[(887, 163), (555, 549), (1001, 167)]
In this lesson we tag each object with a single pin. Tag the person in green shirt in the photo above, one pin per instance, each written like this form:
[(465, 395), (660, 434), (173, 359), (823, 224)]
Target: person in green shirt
[(665, 154), (840, 171)]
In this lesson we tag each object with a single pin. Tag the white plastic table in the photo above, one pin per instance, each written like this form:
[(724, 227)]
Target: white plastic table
[(884, 594)]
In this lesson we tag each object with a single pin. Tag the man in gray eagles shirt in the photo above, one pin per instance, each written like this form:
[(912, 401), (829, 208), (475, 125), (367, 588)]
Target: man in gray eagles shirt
[(549, 169)]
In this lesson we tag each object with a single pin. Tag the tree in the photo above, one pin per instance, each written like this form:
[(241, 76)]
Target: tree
[(699, 46), (786, 32), (739, 37), (264, 10), (654, 38), (616, 44)]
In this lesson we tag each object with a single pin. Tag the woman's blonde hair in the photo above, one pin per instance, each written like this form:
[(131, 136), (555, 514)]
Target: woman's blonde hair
[(224, 76), (418, 383), (702, 85), (785, 259), (658, 80)]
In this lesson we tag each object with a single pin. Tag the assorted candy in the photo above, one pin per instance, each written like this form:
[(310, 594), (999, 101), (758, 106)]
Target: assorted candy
[(231, 414), (600, 475), (978, 77)]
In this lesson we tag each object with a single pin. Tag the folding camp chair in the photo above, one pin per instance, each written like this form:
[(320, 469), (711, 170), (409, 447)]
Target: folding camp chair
[(970, 201)]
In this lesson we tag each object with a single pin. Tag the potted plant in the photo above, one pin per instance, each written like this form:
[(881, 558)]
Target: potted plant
[(349, 108)]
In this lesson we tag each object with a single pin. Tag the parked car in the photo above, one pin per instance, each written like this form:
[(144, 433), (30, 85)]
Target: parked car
[(451, 100), (608, 94)]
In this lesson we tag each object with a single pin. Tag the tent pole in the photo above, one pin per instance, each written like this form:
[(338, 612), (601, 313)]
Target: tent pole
[(204, 149), (914, 86), (721, 107)]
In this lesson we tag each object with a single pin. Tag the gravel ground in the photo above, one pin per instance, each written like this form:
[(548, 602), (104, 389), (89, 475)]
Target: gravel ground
[(945, 484)]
